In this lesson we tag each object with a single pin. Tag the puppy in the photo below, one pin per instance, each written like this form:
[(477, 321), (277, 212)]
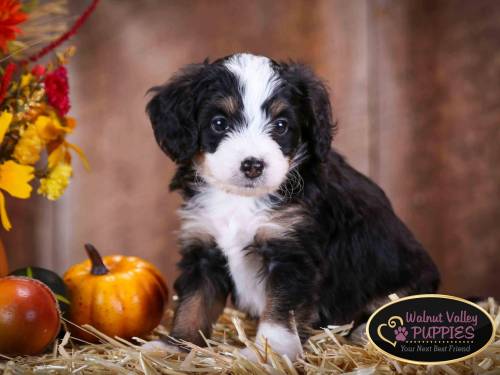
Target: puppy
[(272, 215)]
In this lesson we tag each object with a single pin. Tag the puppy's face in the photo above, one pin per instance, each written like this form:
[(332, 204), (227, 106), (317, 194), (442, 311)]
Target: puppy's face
[(249, 130), (244, 122)]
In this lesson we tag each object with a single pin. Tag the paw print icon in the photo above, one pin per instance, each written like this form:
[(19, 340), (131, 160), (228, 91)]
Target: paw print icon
[(401, 333)]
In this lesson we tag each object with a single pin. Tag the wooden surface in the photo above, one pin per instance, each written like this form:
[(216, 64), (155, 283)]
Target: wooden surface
[(415, 87)]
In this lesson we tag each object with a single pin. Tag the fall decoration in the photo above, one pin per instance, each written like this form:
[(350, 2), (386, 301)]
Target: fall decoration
[(4, 266), (52, 280), (119, 295), (29, 316), (68, 34), (29, 126), (11, 15), (34, 101), (327, 351), (57, 89)]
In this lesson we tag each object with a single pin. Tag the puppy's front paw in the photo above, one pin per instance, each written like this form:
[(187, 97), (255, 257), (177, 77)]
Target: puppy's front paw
[(281, 339), (160, 346)]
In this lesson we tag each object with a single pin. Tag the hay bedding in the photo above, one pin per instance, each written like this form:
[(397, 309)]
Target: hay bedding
[(326, 352)]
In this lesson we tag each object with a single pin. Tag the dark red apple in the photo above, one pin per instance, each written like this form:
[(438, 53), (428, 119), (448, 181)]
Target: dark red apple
[(29, 316)]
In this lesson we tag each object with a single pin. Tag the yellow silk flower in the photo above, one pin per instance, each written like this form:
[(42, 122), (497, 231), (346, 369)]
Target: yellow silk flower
[(29, 147), (50, 128), (14, 177), (54, 185), (45, 129)]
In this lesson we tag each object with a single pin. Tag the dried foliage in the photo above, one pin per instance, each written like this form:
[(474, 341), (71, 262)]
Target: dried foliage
[(47, 20), (327, 352)]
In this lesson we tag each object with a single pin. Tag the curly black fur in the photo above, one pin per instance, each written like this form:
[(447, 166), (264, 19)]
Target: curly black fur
[(347, 249)]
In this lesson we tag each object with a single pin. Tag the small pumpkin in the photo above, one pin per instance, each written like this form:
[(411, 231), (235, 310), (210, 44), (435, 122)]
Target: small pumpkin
[(29, 316), (52, 280), (4, 267), (119, 295)]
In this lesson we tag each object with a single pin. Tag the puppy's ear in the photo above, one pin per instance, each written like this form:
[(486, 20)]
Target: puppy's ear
[(172, 112), (319, 126)]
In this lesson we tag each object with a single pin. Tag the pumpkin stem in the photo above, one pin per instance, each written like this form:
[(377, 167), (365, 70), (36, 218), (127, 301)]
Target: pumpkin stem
[(98, 267)]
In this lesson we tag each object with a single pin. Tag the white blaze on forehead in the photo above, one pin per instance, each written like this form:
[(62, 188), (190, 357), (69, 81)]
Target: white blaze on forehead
[(258, 81)]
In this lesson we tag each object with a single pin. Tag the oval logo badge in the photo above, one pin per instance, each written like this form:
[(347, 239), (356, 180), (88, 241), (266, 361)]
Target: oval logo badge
[(430, 329)]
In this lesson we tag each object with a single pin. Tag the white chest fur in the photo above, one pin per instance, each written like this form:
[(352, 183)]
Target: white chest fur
[(232, 220)]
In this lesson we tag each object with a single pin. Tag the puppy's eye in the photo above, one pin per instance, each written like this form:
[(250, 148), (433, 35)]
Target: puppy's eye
[(280, 126), (219, 124)]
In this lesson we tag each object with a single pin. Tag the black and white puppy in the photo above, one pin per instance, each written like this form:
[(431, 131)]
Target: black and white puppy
[(273, 216)]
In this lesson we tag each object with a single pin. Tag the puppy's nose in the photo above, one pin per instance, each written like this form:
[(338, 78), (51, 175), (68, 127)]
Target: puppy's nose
[(252, 167)]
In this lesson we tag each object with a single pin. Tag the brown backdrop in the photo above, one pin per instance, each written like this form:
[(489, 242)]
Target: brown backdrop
[(415, 87)]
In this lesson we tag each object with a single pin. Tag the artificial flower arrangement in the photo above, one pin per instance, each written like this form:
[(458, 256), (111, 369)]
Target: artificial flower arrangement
[(35, 155)]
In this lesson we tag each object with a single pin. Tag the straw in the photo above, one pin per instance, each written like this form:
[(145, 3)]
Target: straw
[(328, 351)]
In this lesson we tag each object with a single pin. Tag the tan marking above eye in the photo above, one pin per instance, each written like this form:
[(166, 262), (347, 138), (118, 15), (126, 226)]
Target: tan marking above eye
[(229, 104), (277, 107)]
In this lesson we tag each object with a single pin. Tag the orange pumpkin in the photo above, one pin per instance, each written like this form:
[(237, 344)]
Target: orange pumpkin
[(119, 295), (4, 268)]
